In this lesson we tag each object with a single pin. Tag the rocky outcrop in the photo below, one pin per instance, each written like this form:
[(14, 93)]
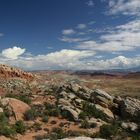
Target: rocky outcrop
[(129, 108), (71, 112), (10, 72), (101, 97), (15, 106), (106, 111)]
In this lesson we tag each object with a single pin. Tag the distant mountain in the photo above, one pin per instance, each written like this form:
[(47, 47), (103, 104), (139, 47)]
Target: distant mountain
[(109, 72)]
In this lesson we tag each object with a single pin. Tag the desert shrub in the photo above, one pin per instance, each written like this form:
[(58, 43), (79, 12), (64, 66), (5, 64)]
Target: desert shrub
[(85, 124), (5, 128), (93, 125), (54, 112), (3, 119), (30, 114), (20, 127), (108, 130), (36, 126), (82, 115), (60, 133), (91, 111), (7, 131), (66, 114), (51, 110), (20, 97), (56, 133), (45, 118)]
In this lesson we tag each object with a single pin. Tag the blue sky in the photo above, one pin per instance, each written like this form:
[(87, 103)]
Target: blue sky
[(70, 34)]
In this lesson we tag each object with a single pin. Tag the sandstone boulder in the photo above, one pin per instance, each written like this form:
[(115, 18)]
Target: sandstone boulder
[(1, 110), (129, 108), (105, 111), (130, 126), (101, 97), (16, 106), (72, 113)]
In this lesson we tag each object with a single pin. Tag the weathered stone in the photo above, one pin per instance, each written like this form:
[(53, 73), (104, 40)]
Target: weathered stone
[(102, 98), (73, 113), (17, 107), (64, 102), (106, 111), (1, 110), (130, 126), (130, 108)]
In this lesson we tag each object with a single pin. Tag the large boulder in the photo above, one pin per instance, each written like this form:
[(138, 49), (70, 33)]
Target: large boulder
[(101, 97), (1, 110), (129, 126), (129, 108), (16, 106), (70, 112), (108, 113)]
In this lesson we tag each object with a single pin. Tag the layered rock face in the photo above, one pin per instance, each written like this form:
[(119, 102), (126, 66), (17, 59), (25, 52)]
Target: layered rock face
[(72, 97)]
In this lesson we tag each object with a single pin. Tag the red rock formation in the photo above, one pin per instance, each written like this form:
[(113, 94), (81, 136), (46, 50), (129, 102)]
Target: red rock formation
[(10, 72)]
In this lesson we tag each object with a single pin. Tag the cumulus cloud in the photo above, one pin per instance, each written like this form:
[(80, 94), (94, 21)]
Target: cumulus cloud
[(125, 37), (81, 26), (72, 39), (125, 7), (68, 32), (64, 59), (90, 3), (72, 59), (12, 53), (1, 34)]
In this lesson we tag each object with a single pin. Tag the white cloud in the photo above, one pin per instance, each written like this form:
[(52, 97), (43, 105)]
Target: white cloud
[(125, 7), (124, 37), (64, 59), (90, 3), (72, 40), (71, 59), (12, 53), (81, 26), (1, 34), (68, 32)]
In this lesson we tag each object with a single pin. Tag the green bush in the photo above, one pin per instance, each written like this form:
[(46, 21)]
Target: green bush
[(67, 115), (45, 118), (30, 114), (59, 133), (7, 131), (82, 115), (51, 110), (36, 126), (20, 127), (3, 119), (85, 124), (108, 130), (91, 111)]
